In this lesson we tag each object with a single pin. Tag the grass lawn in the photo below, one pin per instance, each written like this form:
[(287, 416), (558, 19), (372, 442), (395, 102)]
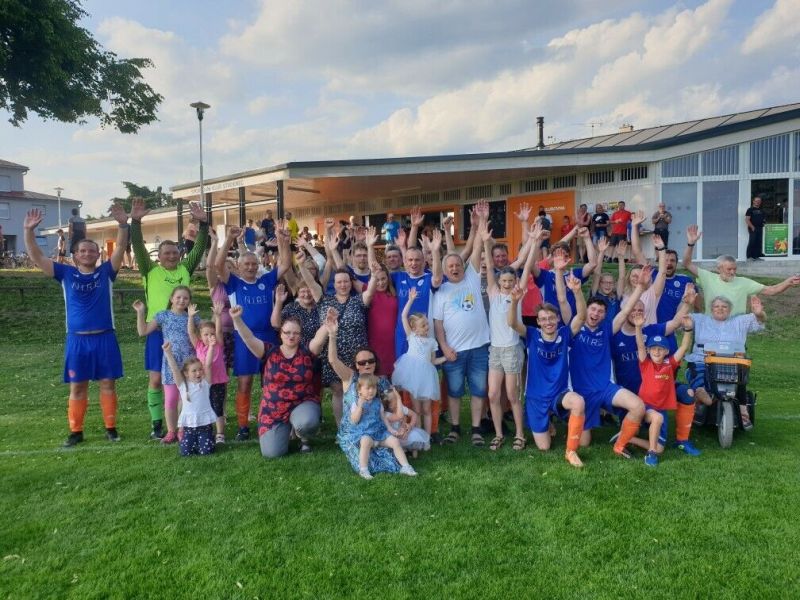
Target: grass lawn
[(134, 520)]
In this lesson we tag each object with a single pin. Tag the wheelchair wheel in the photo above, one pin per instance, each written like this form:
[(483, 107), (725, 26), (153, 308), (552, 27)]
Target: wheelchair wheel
[(726, 425)]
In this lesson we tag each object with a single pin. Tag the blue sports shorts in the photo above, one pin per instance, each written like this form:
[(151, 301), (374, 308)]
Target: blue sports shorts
[(92, 357)]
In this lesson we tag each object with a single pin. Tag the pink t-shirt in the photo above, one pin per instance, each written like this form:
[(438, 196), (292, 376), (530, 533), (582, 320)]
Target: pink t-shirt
[(219, 374)]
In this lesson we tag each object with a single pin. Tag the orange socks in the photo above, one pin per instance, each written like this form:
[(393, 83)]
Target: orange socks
[(684, 414), (76, 412), (574, 431), (628, 430), (242, 408), (108, 405)]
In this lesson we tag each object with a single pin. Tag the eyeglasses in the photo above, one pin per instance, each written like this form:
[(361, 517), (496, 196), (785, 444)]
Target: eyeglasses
[(290, 332), (365, 362)]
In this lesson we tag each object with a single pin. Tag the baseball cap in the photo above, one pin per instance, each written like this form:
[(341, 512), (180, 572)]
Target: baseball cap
[(657, 340)]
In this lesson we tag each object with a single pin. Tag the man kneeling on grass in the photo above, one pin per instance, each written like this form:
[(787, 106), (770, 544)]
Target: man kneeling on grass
[(547, 391)]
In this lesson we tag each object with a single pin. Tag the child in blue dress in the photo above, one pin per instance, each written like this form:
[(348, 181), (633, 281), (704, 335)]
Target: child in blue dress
[(173, 323), (370, 427)]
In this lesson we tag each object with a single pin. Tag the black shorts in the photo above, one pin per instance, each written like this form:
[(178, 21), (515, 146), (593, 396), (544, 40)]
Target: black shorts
[(616, 239)]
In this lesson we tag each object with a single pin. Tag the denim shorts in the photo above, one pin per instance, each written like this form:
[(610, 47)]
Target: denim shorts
[(472, 365)]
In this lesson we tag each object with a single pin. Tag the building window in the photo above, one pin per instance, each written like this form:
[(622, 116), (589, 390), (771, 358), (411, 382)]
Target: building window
[(631, 173), (504, 189), (770, 155), (5, 183), (721, 161), (682, 166), (564, 181), (479, 192), (5, 210), (720, 218), (598, 177), (412, 200), (42, 208), (534, 185), (430, 198), (797, 151), (452, 195)]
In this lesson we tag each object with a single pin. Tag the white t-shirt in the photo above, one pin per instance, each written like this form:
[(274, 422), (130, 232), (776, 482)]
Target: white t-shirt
[(459, 307), (502, 334)]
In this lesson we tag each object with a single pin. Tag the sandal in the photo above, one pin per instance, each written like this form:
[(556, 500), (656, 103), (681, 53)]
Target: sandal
[(451, 438), (477, 440), (496, 443), (519, 444)]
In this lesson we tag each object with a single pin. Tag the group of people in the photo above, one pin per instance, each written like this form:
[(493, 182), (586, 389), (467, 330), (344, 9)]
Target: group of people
[(519, 336)]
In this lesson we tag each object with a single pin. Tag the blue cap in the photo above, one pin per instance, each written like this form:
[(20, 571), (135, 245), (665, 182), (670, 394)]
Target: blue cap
[(657, 340)]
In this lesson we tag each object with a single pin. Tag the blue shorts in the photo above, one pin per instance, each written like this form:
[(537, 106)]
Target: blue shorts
[(596, 400), (92, 357), (244, 361), (153, 352), (696, 375), (471, 364), (662, 434), (538, 411)]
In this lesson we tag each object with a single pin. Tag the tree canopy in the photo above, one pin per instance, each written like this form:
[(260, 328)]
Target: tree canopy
[(152, 198), (51, 66)]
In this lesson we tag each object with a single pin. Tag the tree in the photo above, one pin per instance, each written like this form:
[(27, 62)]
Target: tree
[(152, 198), (51, 66)]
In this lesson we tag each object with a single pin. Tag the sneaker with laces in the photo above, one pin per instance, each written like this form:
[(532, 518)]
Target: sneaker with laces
[(220, 439), (651, 459), (365, 474), (243, 434), (112, 435), (408, 470), (75, 438), (157, 432), (573, 459), (622, 452), (687, 447), (170, 438)]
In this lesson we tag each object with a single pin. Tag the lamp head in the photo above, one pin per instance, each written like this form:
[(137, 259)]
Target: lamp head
[(199, 107)]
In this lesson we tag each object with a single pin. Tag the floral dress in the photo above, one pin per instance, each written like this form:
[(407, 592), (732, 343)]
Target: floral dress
[(381, 460), (287, 383), (352, 333), (174, 329)]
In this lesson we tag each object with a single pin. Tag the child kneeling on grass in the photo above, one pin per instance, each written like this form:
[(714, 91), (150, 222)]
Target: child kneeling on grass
[(402, 423), (370, 427), (658, 385), (196, 419)]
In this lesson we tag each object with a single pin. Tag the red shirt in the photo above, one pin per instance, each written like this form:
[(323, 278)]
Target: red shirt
[(621, 226), (658, 383), (533, 298)]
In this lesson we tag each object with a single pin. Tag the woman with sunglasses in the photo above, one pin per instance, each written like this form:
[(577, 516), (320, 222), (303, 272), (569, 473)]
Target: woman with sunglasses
[(381, 460), (289, 400)]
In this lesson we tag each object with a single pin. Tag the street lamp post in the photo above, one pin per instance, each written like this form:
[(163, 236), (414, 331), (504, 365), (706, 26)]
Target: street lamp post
[(58, 191), (201, 107)]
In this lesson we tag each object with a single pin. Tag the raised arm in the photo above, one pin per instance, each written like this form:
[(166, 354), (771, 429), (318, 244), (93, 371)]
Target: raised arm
[(474, 221), (371, 240), (217, 309), (687, 302), (317, 343), (417, 219), (536, 238), (772, 290), (194, 257), (277, 307), (284, 248), (412, 294), (212, 346), (574, 284), (139, 210), (693, 234), (559, 265), (121, 217), (331, 323), (641, 351), (177, 375), (255, 345), (636, 245), (661, 276), (686, 342), (211, 266), (436, 258), (512, 319), (622, 274), (191, 328), (591, 262), (602, 246), (486, 238), (372, 285), (628, 305), (223, 273), (32, 220), (448, 237), (143, 328), (757, 308)]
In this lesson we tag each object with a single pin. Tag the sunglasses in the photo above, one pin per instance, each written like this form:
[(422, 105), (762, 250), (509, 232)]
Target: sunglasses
[(364, 363)]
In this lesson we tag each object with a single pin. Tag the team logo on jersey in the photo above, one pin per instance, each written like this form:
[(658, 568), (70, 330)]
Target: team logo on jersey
[(676, 283), (558, 340), (261, 286), (420, 283), (96, 275)]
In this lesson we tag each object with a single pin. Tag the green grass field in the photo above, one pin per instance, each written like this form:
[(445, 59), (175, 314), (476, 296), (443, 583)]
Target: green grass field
[(134, 520)]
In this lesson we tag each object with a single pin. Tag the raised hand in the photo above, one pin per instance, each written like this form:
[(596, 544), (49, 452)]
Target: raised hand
[(417, 218), (281, 295), (687, 322), (693, 234), (436, 242), (371, 237), (524, 212), (448, 221), (192, 310), (234, 232), (235, 312), (483, 209), (401, 237), (32, 218), (329, 223), (756, 306), (331, 322), (138, 209), (218, 308), (560, 262), (645, 275), (584, 232), (657, 241), (412, 293), (638, 218), (118, 213), (360, 233), (622, 248), (138, 306), (573, 283), (602, 245), (517, 293), (197, 211), (638, 320), (689, 294), (485, 233)]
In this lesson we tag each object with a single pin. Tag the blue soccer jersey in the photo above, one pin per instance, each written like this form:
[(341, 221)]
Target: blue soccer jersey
[(256, 301), (88, 297), (548, 370), (423, 303), (626, 356), (590, 358), (670, 300), (546, 282)]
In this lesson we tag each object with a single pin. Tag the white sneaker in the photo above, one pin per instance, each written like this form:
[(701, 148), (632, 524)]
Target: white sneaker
[(408, 470), (366, 474)]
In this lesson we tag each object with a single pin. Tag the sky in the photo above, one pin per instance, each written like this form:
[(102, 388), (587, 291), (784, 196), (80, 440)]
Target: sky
[(333, 79)]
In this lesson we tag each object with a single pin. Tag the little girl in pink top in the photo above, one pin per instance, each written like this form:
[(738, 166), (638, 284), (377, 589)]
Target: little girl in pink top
[(210, 333)]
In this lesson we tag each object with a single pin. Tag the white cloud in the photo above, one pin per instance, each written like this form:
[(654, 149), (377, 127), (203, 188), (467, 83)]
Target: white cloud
[(774, 27)]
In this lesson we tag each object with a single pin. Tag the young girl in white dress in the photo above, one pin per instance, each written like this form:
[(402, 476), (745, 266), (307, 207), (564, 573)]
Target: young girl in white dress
[(402, 423), (415, 371)]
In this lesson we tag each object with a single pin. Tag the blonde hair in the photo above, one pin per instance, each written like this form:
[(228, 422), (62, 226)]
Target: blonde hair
[(415, 318), (367, 380)]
